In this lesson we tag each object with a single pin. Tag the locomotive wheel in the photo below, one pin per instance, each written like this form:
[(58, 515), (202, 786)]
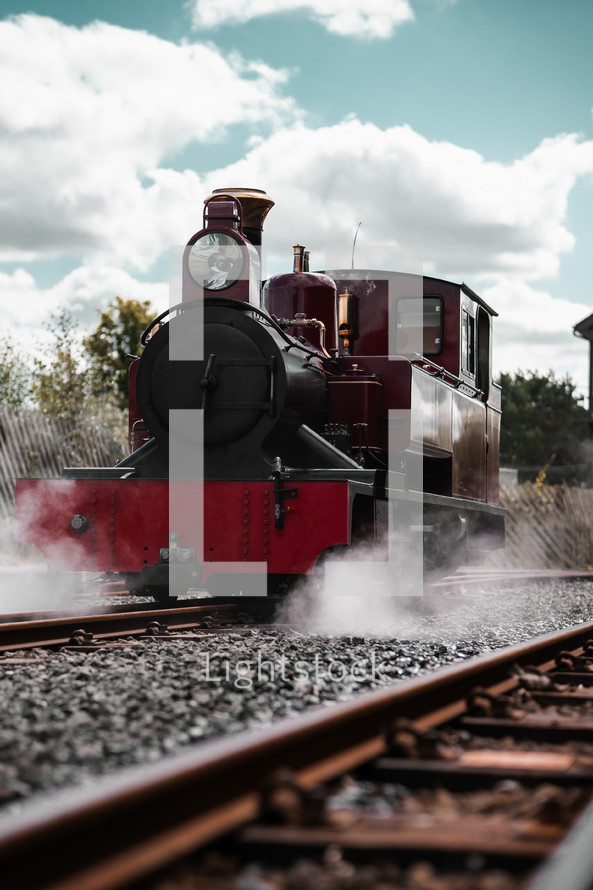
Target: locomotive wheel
[(445, 548)]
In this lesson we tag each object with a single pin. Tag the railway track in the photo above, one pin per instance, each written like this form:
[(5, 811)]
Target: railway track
[(523, 717), (473, 577), (77, 626), (51, 629)]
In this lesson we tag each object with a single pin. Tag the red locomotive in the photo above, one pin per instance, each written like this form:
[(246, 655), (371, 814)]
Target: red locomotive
[(271, 429)]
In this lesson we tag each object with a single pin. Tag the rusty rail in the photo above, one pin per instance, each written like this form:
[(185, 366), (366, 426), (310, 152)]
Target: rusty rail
[(57, 630)]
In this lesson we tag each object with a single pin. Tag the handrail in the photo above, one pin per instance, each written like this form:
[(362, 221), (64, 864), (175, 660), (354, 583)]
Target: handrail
[(417, 358)]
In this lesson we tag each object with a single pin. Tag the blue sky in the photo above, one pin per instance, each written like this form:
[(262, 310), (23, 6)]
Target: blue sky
[(460, 133)]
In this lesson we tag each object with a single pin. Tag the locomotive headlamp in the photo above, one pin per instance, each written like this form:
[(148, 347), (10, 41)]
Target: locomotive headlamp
[(223, 257), (216, 261)]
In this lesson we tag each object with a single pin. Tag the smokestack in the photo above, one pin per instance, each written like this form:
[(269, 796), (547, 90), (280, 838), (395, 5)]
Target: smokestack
[(255, 205)]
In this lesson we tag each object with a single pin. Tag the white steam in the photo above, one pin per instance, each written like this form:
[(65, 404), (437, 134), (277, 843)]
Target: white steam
[(25, 583), (361, 596)]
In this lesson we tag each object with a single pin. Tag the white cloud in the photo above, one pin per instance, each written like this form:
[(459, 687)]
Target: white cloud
[(348, 18), (534, 331), (436, 204), (441, 204), (93, 112), (82, 291), (441, 207), (90, 115), (86, 113)]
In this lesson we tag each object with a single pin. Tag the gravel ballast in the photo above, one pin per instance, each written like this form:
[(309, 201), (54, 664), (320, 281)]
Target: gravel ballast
[(68, 717)]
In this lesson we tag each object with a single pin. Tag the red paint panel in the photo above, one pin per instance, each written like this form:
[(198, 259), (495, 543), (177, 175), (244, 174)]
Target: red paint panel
[(129, 522), (373, 295), (352, 400), (493, 457), (240, 517), (395, 375), (469, 447)]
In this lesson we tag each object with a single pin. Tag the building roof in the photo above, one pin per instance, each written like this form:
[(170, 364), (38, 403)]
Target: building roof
[(584, 328)]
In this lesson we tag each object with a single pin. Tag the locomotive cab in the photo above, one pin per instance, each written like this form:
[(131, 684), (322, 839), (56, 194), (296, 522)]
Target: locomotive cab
[(414, 392)]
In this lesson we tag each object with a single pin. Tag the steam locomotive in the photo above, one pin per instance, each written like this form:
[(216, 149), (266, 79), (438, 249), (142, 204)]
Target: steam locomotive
[(348, 413)]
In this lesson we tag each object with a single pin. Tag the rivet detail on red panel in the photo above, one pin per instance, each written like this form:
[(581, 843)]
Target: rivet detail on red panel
[(265, 523), (245, 523), (112, 523)]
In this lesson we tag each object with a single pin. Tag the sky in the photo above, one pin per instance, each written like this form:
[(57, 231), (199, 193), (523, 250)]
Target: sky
[(458, 132)]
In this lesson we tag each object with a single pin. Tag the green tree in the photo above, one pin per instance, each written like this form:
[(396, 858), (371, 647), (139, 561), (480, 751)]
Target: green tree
[(59, 382), (15, 376), (117, 336), (543, 427)]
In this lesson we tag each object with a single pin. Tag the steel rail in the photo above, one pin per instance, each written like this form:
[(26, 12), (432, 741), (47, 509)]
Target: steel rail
[(82, 611), (58, 629), (483, 577), (141, 819)]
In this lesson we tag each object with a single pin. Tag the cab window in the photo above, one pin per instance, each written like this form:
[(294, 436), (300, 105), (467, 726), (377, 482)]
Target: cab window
[(468, 343), (419, 325)]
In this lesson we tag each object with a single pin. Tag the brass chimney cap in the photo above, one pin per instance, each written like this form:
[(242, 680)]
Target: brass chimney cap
[(256, 204)]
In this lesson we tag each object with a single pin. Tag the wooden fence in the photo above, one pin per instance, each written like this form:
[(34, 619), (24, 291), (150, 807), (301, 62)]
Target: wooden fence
[(548, 526), (38, 446)]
